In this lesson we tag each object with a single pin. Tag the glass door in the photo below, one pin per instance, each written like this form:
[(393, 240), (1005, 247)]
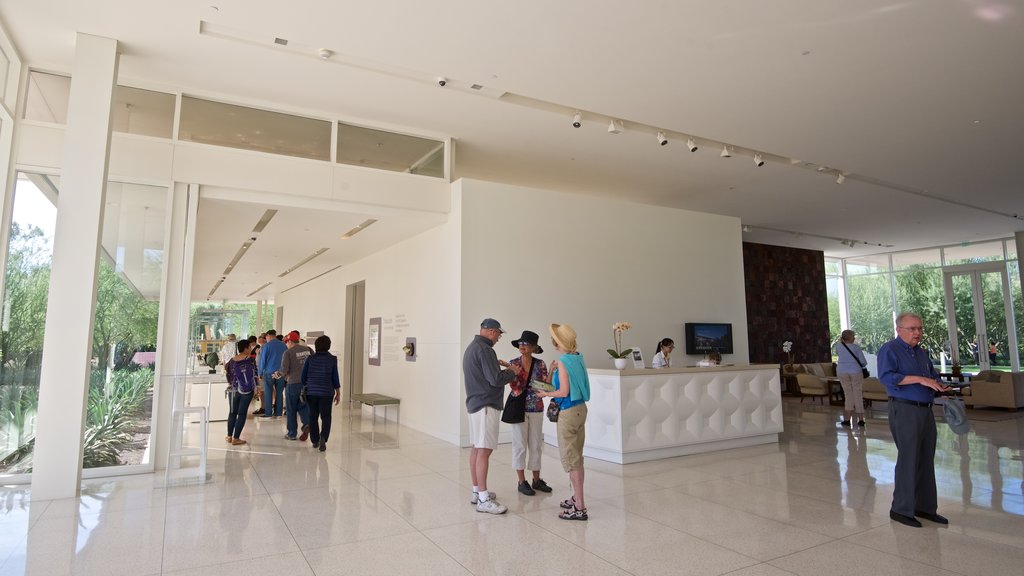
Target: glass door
[(979, 313)]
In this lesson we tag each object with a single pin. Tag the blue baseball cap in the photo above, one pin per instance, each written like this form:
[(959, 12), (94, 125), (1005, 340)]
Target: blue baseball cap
[(493, 324)]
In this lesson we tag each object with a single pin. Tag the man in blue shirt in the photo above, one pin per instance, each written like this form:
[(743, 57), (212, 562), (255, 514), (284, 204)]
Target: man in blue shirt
[(270, 373), (911, 381)]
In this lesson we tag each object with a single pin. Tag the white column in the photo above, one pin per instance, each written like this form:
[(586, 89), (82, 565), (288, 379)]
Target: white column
[(67, 343), (175, 296)]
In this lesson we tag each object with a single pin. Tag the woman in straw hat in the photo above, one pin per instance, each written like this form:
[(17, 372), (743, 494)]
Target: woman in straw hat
[(572, 390)]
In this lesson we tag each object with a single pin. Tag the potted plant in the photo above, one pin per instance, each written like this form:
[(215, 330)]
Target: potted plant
[(787, 347), (619, 356)]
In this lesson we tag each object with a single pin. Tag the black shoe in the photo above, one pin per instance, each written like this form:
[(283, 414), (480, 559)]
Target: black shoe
[(845, 423), (524, 488), (907, 520), (933, 517), (540, 484), (323, 448), (860, 423)]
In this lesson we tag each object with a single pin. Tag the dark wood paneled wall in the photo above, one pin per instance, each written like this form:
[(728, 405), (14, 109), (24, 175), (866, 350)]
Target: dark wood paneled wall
[(786, 300)]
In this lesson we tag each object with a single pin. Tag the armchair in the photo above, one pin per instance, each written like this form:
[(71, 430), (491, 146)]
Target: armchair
[(811, 385)]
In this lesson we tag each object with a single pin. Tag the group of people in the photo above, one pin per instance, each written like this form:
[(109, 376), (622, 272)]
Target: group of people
[(295, 379), (567, 385), (911, 382)]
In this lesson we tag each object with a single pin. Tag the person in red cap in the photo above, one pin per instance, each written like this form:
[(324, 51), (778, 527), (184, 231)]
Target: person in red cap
[(291, 366)]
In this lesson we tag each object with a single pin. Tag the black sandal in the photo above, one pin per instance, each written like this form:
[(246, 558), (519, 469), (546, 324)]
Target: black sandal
[(574, 514)]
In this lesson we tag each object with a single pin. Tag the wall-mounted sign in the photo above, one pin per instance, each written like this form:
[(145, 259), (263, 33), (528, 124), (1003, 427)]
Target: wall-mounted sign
[(374, 349)]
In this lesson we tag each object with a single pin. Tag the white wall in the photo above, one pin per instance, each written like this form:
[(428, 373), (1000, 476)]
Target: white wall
[(414, 287), (529, 257), (532, 257)]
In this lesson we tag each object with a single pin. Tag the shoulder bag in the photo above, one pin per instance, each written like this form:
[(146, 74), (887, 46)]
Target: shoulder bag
[(515, 407), (553, 409), (863, 367)]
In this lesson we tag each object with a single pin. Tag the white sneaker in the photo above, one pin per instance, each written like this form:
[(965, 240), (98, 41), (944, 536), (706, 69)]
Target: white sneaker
[(475, 498), (491, 507)]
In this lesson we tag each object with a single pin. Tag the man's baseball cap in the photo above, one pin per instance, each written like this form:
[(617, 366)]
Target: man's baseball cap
[(493, 324), (293, 336)]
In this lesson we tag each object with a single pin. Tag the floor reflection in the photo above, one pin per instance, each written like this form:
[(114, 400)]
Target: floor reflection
[(815, 501)]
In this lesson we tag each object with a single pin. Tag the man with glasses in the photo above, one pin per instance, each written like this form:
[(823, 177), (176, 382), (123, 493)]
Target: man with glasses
[(485, 378), (911, 381)]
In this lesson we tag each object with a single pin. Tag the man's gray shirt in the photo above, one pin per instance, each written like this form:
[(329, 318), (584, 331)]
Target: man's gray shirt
[(292, 361), (485, 379)]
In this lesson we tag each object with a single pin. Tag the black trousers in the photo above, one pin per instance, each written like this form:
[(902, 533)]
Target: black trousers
[(319, 417), (913, 430)]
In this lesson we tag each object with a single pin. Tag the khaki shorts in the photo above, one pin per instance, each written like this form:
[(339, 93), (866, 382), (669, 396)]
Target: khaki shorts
[(483, 428), (571, 434)]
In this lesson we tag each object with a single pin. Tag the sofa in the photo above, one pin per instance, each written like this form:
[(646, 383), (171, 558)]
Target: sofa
[(810, 379), (997, 389), (874, 390)]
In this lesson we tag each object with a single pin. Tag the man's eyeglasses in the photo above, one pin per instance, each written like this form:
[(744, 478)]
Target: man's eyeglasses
[(912, 328)]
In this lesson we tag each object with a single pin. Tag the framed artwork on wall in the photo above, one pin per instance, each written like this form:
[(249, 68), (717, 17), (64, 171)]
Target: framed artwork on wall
[(373, 350)]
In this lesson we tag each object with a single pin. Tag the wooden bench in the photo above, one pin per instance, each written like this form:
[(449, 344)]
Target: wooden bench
[(373, 400)]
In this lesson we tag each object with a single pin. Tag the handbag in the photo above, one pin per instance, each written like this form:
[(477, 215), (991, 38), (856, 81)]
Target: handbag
[(863, 369), (553, 409), (515, 409)]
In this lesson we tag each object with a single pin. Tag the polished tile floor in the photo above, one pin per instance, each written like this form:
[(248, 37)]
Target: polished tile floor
[(816, 503)]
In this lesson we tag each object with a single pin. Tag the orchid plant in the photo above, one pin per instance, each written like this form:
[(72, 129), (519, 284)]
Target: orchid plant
[(617, 329), (787, 347)]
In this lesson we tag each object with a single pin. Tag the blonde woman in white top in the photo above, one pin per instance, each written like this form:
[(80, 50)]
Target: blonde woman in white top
[(662, 358)]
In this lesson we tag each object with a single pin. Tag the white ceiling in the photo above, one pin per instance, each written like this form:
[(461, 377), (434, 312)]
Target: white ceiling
[(918, 103)]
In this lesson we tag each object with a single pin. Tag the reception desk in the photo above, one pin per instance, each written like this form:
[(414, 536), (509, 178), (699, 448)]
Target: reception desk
[(649, 414)]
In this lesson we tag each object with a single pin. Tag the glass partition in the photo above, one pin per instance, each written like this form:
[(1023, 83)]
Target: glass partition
[(359, 146), (871, 309), (973, 253), (235, 126), (867, 264), (47, 97), (119, 410), (917, 258), (143, 112), (26, 291), (5, 67)]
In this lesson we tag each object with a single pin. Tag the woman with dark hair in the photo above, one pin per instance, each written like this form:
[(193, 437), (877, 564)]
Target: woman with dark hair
[(527, 433), (661, 355), (321, 380), (241, 372)]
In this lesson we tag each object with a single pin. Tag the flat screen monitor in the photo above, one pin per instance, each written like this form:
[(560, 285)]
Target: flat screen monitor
[(705, 337)]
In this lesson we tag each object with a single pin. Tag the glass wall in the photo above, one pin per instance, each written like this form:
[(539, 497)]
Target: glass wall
[(879, 287), (26, 286), (119, 410)]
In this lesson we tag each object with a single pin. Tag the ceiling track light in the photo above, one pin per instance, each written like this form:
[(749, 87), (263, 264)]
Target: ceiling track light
[(691, 144), (840, 178), (758, 160), (746, 228), (662, 139), (577, 120), (725, 152), (615, 127), (324, 53)]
